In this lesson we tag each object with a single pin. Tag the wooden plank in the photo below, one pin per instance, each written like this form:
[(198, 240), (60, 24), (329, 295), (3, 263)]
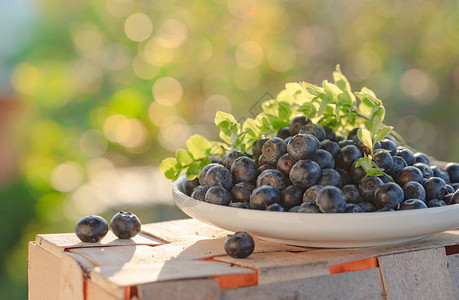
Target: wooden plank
[(95, 292), (71, 279), (357, 285), (280, 266), (57, 243), (417, 275), (44, 274), (126, 266), (453, 265), (194, 289)]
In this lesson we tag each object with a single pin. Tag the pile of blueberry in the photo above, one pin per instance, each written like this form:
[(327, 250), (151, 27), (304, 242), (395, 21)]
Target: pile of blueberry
[(308, 168), (92, 229)]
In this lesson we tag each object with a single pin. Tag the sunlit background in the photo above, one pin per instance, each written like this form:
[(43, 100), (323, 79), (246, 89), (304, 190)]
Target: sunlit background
[(94, 94)]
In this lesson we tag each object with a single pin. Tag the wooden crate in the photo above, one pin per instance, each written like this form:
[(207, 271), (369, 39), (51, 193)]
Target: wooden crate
[(185, 259)]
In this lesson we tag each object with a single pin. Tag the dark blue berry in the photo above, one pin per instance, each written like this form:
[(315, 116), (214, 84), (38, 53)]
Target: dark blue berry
[(190, 185), (368, 186), (199, 193), (324, 159), (347, 156), (274, 178), (357, 173), (244, 169), (202, 174), (241, 191), (435, 203), (352, 194), (125, 225), (367, 207), (257, 146), (91, 229), (345, 176), (398, 165), (275, 207), (309, 208), (305, 173), (439, 172), (352, 208), (409, 174), (239, 245), (425, 169), (283, 133), (218, 195), (291, 197), (421, 158), (406, 154), (331, 199), (389, 195), (230, 157), (315, 130), (264, 196), (285, 163), (330, 177), (296, 123), (332, 147), (310, 194), (219, 175), (389, 145), (345, 143), (414, 190), (384, 160), (435, 188), (302, 146), (330, 134), (273, 149), (453, 172)]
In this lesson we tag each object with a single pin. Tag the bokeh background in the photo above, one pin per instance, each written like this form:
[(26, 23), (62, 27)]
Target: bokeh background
[(94, 94)]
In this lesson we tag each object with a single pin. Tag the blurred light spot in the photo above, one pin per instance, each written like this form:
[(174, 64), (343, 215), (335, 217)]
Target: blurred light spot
[(122, 77), (215, 83), (411, 128), (429, 137), (365, 64), (119, 8), (117, 57), (88, 76), (156, 54), (162, 115), (138, 27), (130, 133), (419, 86), (216, 103), (242, 8), (203, 49), (25, 78), (281, 58), (110, 126), (144, 70), (246, 79), (86, 200), (167, 91), (174, 136), (249, 54), (172, 34), (93, 143), (67, 176), (88, 41)]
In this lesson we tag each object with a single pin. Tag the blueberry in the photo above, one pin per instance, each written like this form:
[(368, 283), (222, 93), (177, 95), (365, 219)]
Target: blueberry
[(384, 160), (324, 159), (273, 149), (219, 175), (384, 209), (368, 186), (352, 133), (347, 156), (230, 157), (398, 165), (302, 146), (394, 140), (199, 192), (339, 138), (439, 172), (275, 207), (296, 123), (332, 147), (345, 176), (125, 225), (305, 173), (384, 178), (367, 207), (202, 174), (352, 194), (414, 190), (330, 134), (239, 205), (274, 178), (283, 133), (420, 157), (453, 172), (315, 130), (308, 208), (330, 177), (262, 162), (239, 245), (216, 160), (331, 199), (310, 194), (352, 208), (435, 203), (264, 196), (257, 146), (448, 199), (294, 209), (218, 195), (435, 188), (425, 169), (450, 189), (288, 139), (291, 196), (91, 229), (241, 192), (244, 169), (389, 145), (190, 185), (345, 143), (406, 154), (285, 163), (357, 173), (264, 168), (409, 174), (389, 195)]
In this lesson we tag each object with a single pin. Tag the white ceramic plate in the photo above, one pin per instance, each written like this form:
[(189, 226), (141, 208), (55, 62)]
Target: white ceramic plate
[(322, 230)]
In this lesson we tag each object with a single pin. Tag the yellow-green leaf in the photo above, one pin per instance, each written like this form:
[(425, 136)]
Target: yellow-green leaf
[(184, 157), (198, 146), (365, 137)]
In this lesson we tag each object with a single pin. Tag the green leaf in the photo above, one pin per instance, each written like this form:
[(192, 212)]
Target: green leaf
[(375, 126), (313, 89), (308, 109), (224, 117), (170, 166), (380, 151), (331, 91), (365, 136), (322, 107), (184, 157), (293, 88), (383, 133), (198, 145)]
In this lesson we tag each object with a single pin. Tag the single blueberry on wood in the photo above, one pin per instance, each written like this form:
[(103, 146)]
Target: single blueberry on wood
[(239, 245), (125, 225), (91, 229)]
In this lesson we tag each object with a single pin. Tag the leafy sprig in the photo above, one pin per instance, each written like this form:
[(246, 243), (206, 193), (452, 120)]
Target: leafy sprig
[(331, 104)]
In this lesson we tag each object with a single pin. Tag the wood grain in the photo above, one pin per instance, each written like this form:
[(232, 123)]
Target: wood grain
[(71, 279), (417, 275), (44, 274), (194, 289)]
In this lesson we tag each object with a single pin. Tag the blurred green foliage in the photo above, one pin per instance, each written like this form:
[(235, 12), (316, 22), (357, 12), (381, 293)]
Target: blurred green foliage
[(130, 80)]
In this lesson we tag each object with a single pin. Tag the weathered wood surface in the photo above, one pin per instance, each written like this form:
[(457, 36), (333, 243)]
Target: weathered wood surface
[(417, 275), (189, 256)]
